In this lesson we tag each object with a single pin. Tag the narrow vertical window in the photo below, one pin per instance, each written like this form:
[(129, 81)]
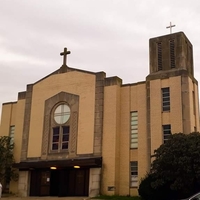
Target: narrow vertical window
[(166, 99), (194, 105), (172, 53), (134, 130), (159, 54), (56, 137), (134, 174), (166, 132), (191, 59), (11, 134), (65, 137)]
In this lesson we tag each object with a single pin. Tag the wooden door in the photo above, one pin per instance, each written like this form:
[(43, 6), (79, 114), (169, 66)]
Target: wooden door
[(78, 182), (34, 183), (40, 183), (45, 183)]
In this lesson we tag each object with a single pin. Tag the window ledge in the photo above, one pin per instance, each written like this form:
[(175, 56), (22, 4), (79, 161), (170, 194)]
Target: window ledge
[(59, 152), (166, 111)]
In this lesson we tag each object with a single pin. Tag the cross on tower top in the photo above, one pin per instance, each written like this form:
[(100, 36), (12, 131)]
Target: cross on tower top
[(64, 54), (170, 26)]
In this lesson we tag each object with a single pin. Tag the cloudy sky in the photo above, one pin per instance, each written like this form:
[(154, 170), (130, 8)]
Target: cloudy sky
[(102, 35)]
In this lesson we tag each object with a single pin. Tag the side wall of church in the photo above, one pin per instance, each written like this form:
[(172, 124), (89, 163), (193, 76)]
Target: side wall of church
[(196, 97), (7, 118), (110, 150), (119, 102), (19, 122), (133, 98), (13, 115), (139, 104), (158, 118), (117, 153), (194, 105), (124, 146)]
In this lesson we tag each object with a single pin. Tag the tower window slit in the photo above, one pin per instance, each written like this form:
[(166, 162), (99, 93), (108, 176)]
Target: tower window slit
[(159, 56), (172, 53)]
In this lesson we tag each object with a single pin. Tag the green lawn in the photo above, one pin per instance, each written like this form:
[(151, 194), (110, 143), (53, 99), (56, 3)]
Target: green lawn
[(117, 198)]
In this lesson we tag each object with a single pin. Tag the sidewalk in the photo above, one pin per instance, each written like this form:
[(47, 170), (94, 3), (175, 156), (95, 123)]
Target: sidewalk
[(44, 198)]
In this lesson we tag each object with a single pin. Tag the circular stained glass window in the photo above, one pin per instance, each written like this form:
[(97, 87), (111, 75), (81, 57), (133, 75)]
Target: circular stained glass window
[(62, 114)]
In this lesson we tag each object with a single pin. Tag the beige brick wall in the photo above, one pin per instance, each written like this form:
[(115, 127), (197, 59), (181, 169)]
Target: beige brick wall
[(175, 115), (19, 122), (125, 141), (13, 115), (132, 98), (158, 117), (155, 114), (7, 118), (110, 140), (191, 103), (197, 106), (194, 106), (67, 82), (142, 132)]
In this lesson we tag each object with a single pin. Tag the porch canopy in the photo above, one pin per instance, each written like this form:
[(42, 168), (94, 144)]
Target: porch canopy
[(81, 162)]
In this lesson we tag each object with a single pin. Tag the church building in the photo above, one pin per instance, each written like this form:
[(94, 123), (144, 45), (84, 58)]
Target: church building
[(81, 133)]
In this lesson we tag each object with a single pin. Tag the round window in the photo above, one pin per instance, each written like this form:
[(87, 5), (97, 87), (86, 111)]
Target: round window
[(62, 114)]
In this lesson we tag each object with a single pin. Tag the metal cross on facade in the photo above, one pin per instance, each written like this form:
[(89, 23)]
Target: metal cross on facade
[(170, 26), (64, 54)]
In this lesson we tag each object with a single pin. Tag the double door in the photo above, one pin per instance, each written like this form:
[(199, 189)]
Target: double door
[(65, 182)]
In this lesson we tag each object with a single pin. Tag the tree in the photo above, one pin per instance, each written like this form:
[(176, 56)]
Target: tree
[(7, 173), (176, 166)]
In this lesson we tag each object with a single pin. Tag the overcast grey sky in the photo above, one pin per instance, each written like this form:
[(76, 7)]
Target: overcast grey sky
[(102, 35)]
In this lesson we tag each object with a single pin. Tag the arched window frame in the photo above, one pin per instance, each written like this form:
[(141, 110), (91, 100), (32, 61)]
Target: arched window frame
[(60, 132)]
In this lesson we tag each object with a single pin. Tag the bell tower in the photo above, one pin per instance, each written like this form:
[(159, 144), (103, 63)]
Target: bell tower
[(171, 89), (169, 53)]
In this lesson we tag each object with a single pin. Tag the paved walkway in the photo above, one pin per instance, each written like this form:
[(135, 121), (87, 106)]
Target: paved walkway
[(45, 198)]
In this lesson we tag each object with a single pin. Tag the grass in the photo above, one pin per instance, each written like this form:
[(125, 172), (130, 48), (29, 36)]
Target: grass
[(117, 197)]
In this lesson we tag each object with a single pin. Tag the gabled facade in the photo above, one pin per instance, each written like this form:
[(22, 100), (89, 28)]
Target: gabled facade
[(97, 133)]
